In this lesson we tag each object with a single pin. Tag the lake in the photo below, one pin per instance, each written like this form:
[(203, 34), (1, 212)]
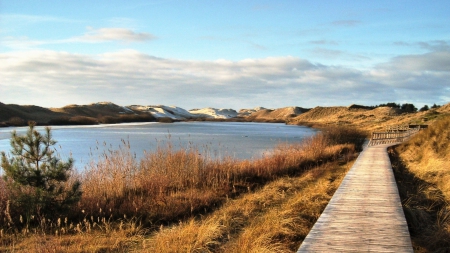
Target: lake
[(216, 139)]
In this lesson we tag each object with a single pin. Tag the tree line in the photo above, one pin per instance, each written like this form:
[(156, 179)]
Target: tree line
[(407, 107)]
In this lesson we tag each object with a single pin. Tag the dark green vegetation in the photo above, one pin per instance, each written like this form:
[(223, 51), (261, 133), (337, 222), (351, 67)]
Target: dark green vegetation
[(36, 180), (406, 107)]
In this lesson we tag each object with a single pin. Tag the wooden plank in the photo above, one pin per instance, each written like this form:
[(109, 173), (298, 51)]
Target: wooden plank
[(365, 213)]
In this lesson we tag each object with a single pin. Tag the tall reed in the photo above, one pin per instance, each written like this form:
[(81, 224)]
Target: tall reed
[(170, 184)]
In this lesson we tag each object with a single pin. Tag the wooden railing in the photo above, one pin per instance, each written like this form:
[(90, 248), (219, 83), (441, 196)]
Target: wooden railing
[(396, 128), (391, 136)]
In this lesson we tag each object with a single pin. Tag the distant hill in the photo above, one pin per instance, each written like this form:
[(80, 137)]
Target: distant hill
[(281, 114), (214, 113), (104, 112), (177, 113), (12, 114), (366, 117), (369, 118), (94, 110)]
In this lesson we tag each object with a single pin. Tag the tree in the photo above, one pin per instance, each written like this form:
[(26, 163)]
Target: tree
[(408, 108), (424, 108), (390, 104), (36, 177)]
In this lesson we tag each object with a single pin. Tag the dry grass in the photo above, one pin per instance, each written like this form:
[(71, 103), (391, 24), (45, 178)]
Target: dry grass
[(428, 155), (123, 199), (272, 219), (281, 114), (168, 185), (369, 119), (88, 236), (422, 170), (297, 203)]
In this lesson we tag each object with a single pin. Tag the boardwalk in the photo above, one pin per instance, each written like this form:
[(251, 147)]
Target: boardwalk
[(365, 213)]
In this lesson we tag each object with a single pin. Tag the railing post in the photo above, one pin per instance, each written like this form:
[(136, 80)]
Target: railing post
[(393, 134)]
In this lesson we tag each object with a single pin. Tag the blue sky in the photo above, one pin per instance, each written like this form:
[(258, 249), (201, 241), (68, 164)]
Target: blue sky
[(225, 54)]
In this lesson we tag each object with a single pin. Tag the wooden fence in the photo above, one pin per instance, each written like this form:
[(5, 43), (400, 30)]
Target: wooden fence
[(392, 136)]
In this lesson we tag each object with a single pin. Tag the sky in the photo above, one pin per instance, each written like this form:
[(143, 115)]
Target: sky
[(225, 54)]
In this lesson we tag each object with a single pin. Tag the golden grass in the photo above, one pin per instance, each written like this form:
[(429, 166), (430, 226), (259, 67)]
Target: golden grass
[(428, 155), (168, 184), (123, 238), (281, 226), (369, 119), (272, 219), (422, 171), (171, 193)]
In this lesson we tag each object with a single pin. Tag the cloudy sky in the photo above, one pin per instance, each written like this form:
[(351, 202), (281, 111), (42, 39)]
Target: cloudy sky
[(225, 54)]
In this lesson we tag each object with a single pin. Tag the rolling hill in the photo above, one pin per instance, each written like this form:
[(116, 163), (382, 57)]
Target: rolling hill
[(368, 118)]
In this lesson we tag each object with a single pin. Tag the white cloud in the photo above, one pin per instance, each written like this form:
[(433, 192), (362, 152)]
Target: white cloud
[(92, 36), (20, 43), (50, 78), (438, 61), (114, 34)]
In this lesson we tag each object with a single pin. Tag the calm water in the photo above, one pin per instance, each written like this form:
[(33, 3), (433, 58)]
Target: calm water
[(217, 139)]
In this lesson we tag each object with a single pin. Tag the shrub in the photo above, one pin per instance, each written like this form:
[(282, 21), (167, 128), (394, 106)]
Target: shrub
[(83, 120), (109, 120), (424, 108), (16, 121), (345, 135), (408, 108), (76, 120), (390, 104), (165, 120), (35, 177), (59, 121), (137, 118)]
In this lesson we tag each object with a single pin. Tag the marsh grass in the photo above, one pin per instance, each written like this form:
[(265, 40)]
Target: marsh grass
[(171, 184), (125, 200), (275, 218)]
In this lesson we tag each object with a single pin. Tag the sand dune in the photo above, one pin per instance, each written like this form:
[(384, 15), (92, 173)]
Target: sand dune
[(369, 118)]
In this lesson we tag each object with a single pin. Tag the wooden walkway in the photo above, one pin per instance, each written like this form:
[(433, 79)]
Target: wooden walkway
[(365, 214), (392, 136)]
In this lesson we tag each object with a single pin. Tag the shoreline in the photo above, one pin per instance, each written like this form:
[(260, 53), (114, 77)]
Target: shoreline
[(160, 120)]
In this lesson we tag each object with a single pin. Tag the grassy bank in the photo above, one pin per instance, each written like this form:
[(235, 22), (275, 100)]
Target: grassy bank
[(421, 166), (275, 218), (149, 204)]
